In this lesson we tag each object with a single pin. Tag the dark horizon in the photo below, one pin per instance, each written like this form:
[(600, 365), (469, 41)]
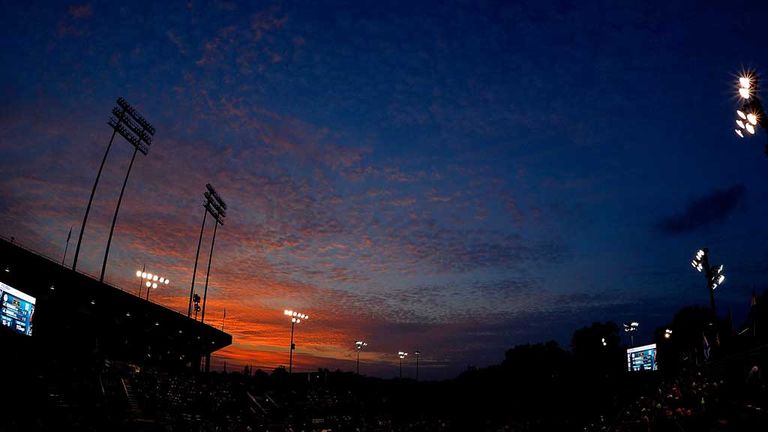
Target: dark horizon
[(455, 178)]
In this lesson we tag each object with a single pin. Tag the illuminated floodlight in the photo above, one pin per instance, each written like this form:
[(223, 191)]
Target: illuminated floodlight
[(604, 342), (667, 333), (360, 345), (752, 118), (296, 318), (138, 273), (161, 280), (167, 281), (154, 286), (143, 275), (741, 124), (149, 284), (402, 354), (154, 278), (744, 93), (739, 133), (750, 129), (149, 275), (741, 114), (745, 82)]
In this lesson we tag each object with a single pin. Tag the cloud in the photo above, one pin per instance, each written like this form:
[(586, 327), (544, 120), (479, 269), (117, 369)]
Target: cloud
[(81, 11), (712, 208)]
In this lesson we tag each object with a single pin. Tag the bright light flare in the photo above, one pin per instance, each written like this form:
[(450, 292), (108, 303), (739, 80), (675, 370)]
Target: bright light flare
[(752, 118), (138, 273), (744, 93), (750, 129), (745, 82), (741, 114), (739, 133), (741, 124)]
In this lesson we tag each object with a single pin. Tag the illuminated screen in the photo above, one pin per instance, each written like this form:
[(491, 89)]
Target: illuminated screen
[(642, 358), (17, 309)]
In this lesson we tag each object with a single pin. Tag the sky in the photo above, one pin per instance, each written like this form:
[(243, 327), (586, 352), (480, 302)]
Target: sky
[(453, 177)]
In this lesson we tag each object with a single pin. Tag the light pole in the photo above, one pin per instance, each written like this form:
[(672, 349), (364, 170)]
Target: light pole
[(150, 280), (217, 208), (713, 274), (296, 318), (631, 328), (417, 353), (139, 133), (402, 355), (359, 345), (750, 113), (667, 333)]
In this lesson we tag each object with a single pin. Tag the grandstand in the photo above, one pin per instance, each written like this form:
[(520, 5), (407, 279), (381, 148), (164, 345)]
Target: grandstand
[(77, 317)]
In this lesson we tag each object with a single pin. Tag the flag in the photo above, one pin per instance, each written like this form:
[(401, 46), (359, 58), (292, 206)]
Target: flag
[(706, 347)]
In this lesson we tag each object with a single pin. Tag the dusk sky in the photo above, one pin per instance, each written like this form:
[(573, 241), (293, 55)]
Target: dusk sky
[(454, 177)]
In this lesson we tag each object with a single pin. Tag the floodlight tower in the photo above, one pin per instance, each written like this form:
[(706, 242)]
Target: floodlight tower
[(151, 280), (217, 208), (417, 353), (750, 113), (359, 345), (631, 328), (713, 274), (296, 318), (402, 355), (138, 132)]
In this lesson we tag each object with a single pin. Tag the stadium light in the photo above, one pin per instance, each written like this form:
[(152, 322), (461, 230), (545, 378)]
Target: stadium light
[(139, 133), (604, 342), (714, 275), (359, 345), (217, 208), (630, 328), (401, 355), (296, 318), (667, 333), (750, 113), (150, 281)]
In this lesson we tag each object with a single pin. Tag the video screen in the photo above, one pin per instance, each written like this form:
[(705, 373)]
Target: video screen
[(642, 358), (17, 309)]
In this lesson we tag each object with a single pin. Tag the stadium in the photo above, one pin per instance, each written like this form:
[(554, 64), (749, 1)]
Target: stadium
[(71, 315)]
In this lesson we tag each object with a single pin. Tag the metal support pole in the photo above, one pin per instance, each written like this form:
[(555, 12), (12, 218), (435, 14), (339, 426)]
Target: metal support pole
[(401, 368), (66, 246), (358, 362), (148, 289), (114, 217), (141, 279), (194, 269), (90, 200), (207, 274), (417, 368), (293, 347)]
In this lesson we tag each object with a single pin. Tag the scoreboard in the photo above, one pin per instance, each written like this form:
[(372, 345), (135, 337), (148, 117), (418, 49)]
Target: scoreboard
[(642, 358), (16, 309)]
